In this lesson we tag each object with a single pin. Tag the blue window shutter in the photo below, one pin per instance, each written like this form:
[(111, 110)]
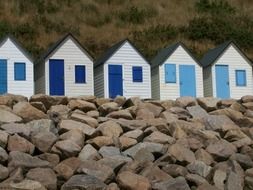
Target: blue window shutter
[(19, 71), (170, 73), (137, 74), (80, 74), (240, 76)]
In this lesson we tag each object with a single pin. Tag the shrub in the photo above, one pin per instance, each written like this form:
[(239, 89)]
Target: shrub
[(5, 28)]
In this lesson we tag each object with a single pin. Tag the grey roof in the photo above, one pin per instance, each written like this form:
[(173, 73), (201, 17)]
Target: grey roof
[(211, 56), (19, 45), (101, 60), (59, 42), (164, 53)]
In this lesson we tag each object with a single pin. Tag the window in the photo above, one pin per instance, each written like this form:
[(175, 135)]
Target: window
[(240, 77), (170, 73), (19, 71), (80, 75), (137, 74)]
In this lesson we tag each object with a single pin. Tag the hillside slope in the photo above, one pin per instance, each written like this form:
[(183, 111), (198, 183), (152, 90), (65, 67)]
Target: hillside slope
[(201, 24)]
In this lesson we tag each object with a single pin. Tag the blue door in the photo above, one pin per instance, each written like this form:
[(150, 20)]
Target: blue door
[(187, 79), (3, 76), (222, 81), (56, 77), (115, 81)]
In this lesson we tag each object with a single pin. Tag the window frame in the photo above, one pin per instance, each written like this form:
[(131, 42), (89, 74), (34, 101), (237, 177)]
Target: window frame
[(16, 75), (134, 74), (237, 71), (84, 80), (175, 79)]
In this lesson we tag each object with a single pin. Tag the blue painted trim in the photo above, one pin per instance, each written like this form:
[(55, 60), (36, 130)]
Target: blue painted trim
[(137, 74), (115, 80), (170, 73), (240, 77), (3, 76), (187, 80), (80, 74), (222, 81), (19, 71)]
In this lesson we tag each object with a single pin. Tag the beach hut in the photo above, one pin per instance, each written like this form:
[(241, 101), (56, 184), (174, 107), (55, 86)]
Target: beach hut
[(176, 73), (16, 68), (65, 69), (122, 70), (227, 72)]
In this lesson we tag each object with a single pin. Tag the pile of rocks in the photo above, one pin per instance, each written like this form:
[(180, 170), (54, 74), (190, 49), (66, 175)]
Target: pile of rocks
[(96, 143)]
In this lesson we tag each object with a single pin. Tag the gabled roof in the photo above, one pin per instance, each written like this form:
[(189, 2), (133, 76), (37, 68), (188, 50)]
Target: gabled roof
[(212, 55), (57, 44), (165, 53), (18, 45), (110, 52)]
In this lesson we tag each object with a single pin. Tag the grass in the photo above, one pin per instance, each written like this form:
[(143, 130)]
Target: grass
[(100, 23)]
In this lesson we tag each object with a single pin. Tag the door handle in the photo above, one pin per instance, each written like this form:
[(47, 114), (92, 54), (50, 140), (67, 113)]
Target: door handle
[(228, 83)]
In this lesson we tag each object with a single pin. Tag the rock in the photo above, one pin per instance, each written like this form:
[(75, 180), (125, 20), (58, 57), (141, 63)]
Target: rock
[(42, 125), (175, 170), (85, 119), (199, 168), (6, 100), (81, 105), (178, 183), (233, 182), (112, 186), (226, 103), (44, 141), (100, 171), (27, 185), (66, 148), (48, 101), (61, 110), (132, 124), (8, 117), (144, 114), (14, 128), (17, 143), (67, 168), (244, 160), (248, 105), (67, 125), (45, 176), (93, 113), (155, 109), (155, 174), (219, 123), (169, 117), (110, 129), (39, 105), (204, 156), (100, 141), (208, 103), (3, 138), (53, 159), (109, 107), (247, 98), (143, 155), (136, 134), (234, 115), (88, 153), (125, 114), (86, 182), (126, 142), (181, 112), (120, 100), (114, 162), (158, 137), (28, 112), (196, 179), (186, 101), (132, 101), (151, 147), (197, 112), (3, 155), (26, 161), (75, 136), (4, 173), (207, 186), (101, 101), (109, 151), (131, 181), (15, 176), (221, 149), (219, 178), (181, 153), (134, 166)]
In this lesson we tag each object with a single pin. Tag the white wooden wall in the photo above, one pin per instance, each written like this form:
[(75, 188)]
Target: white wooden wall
[(207, 77), (99, 81), (234, 60), (128, 57), (172, 90), (155, 83), (12, 54), (72, 55)]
